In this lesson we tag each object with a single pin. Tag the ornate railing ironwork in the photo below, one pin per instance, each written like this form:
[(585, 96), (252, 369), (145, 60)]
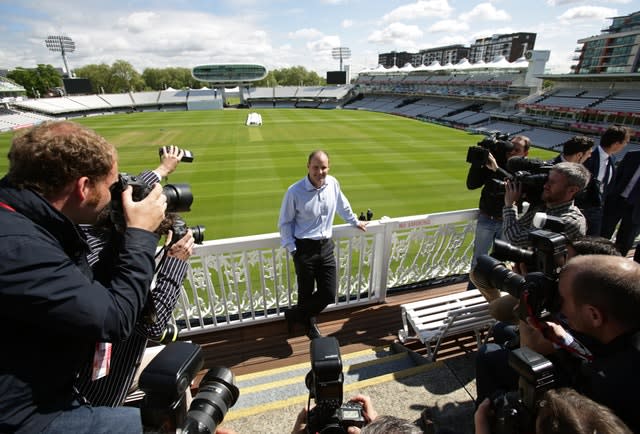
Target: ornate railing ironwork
[(237, 281)]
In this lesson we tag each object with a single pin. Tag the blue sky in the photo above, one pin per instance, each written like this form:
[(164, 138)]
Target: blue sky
[(283, 33)]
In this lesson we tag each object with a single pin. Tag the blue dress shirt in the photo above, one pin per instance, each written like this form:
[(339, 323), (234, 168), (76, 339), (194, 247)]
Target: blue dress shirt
[(308, 212)]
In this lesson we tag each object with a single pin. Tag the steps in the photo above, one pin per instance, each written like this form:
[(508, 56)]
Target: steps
[(283, 387)]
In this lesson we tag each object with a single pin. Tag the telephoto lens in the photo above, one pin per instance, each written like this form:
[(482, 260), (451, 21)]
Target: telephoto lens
[(217, 394), (179, 197)]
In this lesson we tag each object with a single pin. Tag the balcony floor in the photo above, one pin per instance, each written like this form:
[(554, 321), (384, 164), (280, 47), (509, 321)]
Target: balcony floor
[(265, 346)]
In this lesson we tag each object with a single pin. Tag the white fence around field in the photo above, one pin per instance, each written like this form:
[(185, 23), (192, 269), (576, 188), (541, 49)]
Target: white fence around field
[(238, 281)]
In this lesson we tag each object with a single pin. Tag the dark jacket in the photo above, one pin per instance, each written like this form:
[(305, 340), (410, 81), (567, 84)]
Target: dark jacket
[(491, 200), (52, 311), (591, 196)]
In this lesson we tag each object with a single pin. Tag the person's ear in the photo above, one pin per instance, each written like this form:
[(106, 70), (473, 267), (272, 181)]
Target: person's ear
[(594, 315), (82, 188)]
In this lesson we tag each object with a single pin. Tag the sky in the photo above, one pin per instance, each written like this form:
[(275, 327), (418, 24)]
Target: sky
[(284, 33)]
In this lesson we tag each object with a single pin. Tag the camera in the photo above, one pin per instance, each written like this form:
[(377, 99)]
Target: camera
[(187, 156), (516, 411), (538, 290), (165, 381), (180, 228), (548, 253), (324, 382), (497, 144), (531, 174), (179, 196)]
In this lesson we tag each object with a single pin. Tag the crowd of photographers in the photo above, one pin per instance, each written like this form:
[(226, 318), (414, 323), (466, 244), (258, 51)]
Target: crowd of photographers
[(81, 277), (567, 306)]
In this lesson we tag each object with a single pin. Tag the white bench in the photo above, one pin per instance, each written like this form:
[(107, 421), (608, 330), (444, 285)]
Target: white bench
[(434, 319)]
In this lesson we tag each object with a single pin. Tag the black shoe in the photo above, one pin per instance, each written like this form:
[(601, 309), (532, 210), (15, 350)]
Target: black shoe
[(312, 331)]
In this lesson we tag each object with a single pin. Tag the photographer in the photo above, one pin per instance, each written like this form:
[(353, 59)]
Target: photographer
[(59, 176), (562, 411), (600, 298), (489, 224), (565, 180), (127, 360)]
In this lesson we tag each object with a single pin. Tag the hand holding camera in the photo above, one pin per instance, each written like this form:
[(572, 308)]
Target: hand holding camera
[(147, 213)]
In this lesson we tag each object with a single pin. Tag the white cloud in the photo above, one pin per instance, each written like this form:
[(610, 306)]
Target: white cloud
[(324, 44), (484, 12), (562, 2), (588, 13), (305, 34), (447, 25), (137, 22), (396, 33), (346, 24), (420, 9)]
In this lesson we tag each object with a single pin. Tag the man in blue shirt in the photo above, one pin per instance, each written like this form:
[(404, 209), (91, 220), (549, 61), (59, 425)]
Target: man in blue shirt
[(306, 223)]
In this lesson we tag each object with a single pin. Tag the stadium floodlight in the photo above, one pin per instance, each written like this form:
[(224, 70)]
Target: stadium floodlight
[(64, 45), (341, 53)]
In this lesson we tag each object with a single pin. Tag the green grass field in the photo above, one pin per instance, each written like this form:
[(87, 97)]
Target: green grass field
[(393, 165)]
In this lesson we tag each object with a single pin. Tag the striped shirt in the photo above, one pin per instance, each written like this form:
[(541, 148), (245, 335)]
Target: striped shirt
[(516, 231), (112, 389)]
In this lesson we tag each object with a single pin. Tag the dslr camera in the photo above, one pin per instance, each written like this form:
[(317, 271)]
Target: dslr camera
[(538, 290), (165, 382), (530, 173), (179, 228), (497, 144), (324, 381), (179, 196), (516, 411)]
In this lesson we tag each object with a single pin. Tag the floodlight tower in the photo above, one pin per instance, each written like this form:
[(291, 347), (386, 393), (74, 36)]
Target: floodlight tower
[(64, 45), (341, 53)]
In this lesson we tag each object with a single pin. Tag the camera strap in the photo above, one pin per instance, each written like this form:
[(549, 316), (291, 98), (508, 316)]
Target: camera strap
[(7, 207)]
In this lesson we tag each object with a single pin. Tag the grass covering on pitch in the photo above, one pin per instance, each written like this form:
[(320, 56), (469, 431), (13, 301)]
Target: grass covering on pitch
[(396, 166)]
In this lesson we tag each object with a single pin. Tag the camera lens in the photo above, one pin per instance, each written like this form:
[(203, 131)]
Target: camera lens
[(179, 197), (491, 272), (216, 395), (198, 233)]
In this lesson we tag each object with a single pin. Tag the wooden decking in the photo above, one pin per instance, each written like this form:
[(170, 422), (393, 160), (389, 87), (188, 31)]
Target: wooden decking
[(266, 346)]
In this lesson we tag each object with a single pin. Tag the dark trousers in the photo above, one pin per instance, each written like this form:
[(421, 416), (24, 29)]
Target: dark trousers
[(617, 209), (593, 215), (315, 268)]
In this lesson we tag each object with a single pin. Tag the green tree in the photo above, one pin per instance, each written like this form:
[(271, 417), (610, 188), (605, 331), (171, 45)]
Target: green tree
[(37, 81), (98, 75), (294, 76), (125, 77)]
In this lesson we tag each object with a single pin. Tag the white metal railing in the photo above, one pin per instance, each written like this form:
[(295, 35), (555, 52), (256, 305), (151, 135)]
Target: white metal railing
[(236, 281)]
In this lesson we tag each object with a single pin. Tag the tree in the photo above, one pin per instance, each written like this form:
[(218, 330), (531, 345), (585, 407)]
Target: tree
[(125, 78), (36, 81), (294, 76), (98, 75)]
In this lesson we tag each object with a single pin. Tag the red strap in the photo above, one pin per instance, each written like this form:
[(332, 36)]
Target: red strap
[(5, 206)]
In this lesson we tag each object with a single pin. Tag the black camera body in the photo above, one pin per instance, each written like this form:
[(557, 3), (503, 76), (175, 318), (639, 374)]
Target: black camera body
[(324, 382), (548, 253), (180, 228), (538, 290), (179, 197), (497, 144), (516, 412), (165, 381)]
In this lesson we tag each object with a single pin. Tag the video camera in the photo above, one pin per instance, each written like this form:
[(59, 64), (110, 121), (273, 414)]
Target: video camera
[(165, 381), (530, 173), (497, 144), (516, 411), (324, 381)]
